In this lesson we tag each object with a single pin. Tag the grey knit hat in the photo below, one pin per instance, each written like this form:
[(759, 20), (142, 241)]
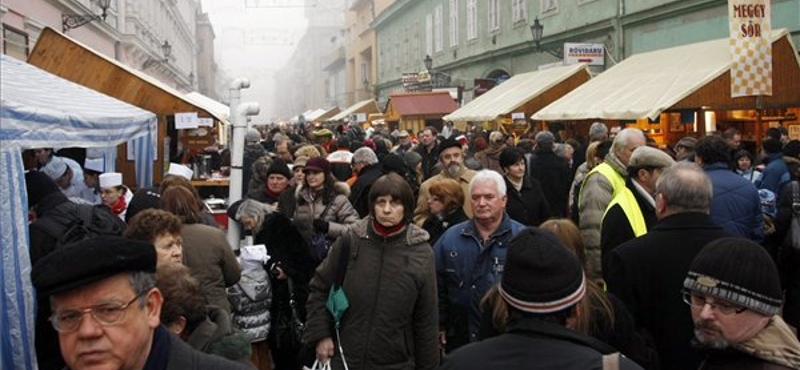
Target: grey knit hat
[(739, 271)]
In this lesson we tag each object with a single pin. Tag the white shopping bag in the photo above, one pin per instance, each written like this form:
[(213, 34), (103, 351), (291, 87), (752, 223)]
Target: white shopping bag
[(253, 256), (319, 366)]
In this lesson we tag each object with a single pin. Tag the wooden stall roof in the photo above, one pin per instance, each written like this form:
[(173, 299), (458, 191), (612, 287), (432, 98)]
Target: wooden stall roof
[(71, 60), (525, 92), (364, 106), (327, 115), (684, 77), (437, 103)]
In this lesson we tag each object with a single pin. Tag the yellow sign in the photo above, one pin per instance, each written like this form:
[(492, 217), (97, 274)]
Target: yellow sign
[(751, 49)]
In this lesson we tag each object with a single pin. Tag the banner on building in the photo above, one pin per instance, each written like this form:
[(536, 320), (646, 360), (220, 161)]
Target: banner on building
[(591, 54), (751, 49)]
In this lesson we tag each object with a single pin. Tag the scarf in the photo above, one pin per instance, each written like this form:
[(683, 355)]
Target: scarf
[(270, 193), (386, 231), (119, 206), (159, 351)]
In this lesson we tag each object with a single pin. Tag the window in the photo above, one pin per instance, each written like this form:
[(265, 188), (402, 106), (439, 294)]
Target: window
[(439, 28), (494, 15), (15, 43), (472, 19), (548, 6), (429, 34), (518, 11), (453, 22)]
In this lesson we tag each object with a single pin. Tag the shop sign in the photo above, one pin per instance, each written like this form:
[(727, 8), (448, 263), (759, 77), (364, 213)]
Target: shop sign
[(361, 117), (591, 54), (751, 48), (185, 121)]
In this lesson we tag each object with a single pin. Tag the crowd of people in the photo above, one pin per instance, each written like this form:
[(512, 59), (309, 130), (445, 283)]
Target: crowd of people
[(394, 249)]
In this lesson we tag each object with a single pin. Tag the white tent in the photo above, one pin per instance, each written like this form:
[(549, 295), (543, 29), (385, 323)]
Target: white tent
[(42, 110)]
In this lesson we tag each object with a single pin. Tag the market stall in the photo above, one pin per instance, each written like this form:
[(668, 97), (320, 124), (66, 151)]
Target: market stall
[(71, 60), (686, 90), (510, 105), (361, 110), (322, 115), (415, 111), (41, 110)]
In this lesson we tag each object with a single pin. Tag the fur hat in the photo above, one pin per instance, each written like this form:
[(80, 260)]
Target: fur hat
[(541, 276), (739, 271), (78, 264)]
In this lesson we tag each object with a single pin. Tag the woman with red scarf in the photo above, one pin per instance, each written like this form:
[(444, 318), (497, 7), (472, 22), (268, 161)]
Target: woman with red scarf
[(113, 194)]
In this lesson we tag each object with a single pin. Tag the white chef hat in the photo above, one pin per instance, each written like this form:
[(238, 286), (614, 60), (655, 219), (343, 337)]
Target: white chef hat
[(94, 164), (110, 179), (180, 170)]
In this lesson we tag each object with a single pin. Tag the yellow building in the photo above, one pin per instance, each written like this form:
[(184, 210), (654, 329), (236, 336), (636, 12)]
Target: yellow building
[(360, 49)]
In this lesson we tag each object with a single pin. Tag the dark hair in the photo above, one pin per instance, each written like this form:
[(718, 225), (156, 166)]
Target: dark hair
[(182, 203), (713, 149), (730, 133), (343, 143), (792, 149), (510, 156), (182, 296), (449, 191), (603, 148), (395, 186), (432, 129), (742, 153), (772, 146), (151, 223), (774, 133)]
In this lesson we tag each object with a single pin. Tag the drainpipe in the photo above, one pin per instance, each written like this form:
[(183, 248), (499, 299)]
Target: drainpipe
[(619, 50), (239, 123)]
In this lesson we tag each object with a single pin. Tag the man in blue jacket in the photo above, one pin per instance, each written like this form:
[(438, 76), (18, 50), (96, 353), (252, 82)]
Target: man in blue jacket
[(470, 258), (735, 205)]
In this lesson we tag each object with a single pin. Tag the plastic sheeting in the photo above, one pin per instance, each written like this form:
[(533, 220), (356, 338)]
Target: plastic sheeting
[(42, 110)]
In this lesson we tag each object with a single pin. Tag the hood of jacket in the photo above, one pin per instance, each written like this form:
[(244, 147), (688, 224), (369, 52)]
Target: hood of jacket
[(775, 343), (303, 191), (413, 234), (494, 151), (615, 163)]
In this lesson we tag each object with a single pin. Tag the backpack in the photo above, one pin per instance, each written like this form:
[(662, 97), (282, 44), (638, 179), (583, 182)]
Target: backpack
[(87, 221)]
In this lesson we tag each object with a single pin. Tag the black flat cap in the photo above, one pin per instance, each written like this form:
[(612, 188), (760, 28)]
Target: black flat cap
[(78, 264)]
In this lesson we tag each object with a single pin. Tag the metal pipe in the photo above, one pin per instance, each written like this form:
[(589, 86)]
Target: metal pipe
[(238, 123)]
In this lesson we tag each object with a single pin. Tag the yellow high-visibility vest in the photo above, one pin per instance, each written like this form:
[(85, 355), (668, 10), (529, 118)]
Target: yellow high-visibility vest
[(630, 206)]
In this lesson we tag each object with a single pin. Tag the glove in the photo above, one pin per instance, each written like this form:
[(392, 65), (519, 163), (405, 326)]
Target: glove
[(321, 226)]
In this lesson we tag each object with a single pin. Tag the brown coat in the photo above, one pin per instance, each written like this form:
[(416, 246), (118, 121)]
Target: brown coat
[(392, 321), (207, 253)]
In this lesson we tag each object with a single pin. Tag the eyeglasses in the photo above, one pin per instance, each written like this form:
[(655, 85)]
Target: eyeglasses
[(106, 314), (698, 301)]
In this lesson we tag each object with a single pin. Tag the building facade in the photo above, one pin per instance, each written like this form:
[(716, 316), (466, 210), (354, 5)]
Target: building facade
[(492, 39), (134, 33)]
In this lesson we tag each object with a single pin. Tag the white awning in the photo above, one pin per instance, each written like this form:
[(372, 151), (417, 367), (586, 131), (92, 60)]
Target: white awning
[(352, 109), (222, 111), (513, 93), (645, 84)]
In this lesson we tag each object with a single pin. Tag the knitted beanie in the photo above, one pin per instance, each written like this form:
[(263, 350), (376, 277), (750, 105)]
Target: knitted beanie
[(541, 276), (739, 271), (278, 166)]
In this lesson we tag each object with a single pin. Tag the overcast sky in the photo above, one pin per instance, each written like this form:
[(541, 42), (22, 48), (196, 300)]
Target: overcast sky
[(252, 41)]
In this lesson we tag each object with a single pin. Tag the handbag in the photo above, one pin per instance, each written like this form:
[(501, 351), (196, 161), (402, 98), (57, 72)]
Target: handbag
[(320, 243), (288, 327)]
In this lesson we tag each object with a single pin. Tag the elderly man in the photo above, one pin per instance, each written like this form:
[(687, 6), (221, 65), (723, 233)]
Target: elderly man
[(601, 185), (403, 143), (365, 164), (647, 273), (106, 308), (632, 212), (451, 157), (735, 296), (470, 257)]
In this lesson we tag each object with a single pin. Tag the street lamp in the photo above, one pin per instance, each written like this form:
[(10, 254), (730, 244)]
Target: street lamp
[(70, 21), (428, 62), (537, 30), (166, 50)]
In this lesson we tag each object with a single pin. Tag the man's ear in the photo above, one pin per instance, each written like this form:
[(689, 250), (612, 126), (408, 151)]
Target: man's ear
[(153, 307)]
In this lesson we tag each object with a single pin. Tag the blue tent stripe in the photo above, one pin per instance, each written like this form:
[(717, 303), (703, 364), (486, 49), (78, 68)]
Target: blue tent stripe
[(17, 318)]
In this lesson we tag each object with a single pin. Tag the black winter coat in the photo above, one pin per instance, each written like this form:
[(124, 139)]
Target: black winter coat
[(647, 274), (532, 344), (553, 174), (527, 206), (429, 160), (359, 192), (436, 227), (779, 244), (617, 229)]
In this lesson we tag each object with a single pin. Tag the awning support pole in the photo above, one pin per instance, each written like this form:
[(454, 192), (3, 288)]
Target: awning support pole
[(237, 154)]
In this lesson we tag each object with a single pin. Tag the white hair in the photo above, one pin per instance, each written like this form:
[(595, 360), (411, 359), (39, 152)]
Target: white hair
[(625, 136), (486, 176)]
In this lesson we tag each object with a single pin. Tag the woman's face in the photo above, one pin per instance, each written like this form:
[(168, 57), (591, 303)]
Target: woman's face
[(744, 163), (169, 248), (315, 179), (388, 211), (277, 183), (299, 175), (110, 196), (436, 205), (516, 170)]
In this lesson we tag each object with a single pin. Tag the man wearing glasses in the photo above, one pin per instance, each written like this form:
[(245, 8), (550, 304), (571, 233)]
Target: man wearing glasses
[(735, 296), (105, 308)]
